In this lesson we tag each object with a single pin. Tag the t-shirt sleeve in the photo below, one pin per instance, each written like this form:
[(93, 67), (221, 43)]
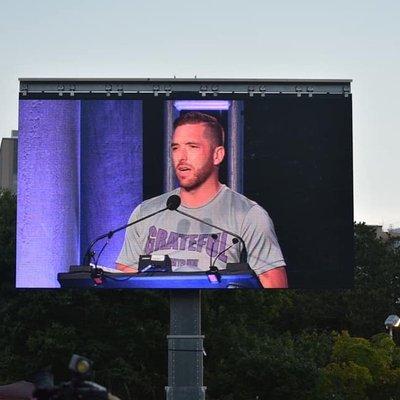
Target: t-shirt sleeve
[(131, 249), (264, 252)]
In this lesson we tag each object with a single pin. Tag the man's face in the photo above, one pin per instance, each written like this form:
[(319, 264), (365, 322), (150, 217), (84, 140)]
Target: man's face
[(193, 155)]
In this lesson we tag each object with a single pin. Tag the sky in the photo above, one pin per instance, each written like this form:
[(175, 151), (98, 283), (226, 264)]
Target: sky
[(358, 40)]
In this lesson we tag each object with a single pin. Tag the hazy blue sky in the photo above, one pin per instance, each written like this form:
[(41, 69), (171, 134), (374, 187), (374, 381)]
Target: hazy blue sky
[(357, 40)]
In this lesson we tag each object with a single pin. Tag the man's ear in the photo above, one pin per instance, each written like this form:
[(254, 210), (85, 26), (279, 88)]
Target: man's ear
[(219, 154)]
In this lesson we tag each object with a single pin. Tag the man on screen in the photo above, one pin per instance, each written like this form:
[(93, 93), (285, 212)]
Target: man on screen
[(197, 152)]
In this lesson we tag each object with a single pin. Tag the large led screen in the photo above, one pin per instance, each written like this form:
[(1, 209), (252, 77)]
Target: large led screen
[(246, 192)]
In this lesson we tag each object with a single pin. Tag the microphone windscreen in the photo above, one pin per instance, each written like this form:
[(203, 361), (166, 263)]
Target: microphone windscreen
[(173, 202)]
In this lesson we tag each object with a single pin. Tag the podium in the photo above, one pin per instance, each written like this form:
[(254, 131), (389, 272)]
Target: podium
[(185, 341), (161, 280)]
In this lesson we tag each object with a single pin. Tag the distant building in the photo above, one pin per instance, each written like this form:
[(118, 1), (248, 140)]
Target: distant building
[(380, 234), (392, 235), (394, 232), (8, 162)]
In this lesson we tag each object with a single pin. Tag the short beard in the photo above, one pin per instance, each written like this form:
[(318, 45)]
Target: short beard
[(201, 176)]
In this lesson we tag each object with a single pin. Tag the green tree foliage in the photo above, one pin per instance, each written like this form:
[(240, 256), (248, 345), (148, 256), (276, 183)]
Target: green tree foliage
[(360, 369), (271, 344), (8, 212), (123, 332)]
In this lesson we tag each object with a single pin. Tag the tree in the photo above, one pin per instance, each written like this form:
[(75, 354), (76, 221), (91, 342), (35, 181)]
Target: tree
[(8, 211), (260, 344), (361, 369)]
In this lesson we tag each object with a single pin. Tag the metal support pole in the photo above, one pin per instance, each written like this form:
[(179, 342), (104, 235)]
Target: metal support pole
[(185, 347)]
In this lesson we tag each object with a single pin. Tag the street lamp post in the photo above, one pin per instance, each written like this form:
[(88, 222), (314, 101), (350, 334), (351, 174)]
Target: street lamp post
[(392, 321)]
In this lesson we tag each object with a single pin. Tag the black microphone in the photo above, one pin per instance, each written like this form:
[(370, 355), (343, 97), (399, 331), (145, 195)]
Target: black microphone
[(234, 241), (213, 273), (214, 237), (173, 202), (243, 253)]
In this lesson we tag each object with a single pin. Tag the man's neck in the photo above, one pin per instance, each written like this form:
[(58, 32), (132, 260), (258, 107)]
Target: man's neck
[(201, 195)]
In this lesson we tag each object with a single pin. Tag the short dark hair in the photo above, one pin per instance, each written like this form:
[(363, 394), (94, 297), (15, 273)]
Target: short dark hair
[(214, 128)]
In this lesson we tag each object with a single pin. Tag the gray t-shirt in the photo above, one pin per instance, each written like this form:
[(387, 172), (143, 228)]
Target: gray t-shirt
[(189, 242)]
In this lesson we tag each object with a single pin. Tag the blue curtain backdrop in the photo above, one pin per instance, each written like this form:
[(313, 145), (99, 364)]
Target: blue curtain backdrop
[(79, 175)]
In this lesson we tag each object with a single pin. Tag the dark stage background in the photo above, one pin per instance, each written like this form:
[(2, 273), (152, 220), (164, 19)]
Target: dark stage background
[(298, 166)]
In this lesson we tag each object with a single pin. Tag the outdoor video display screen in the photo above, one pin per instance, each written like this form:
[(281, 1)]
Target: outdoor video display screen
[(86, 162)]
